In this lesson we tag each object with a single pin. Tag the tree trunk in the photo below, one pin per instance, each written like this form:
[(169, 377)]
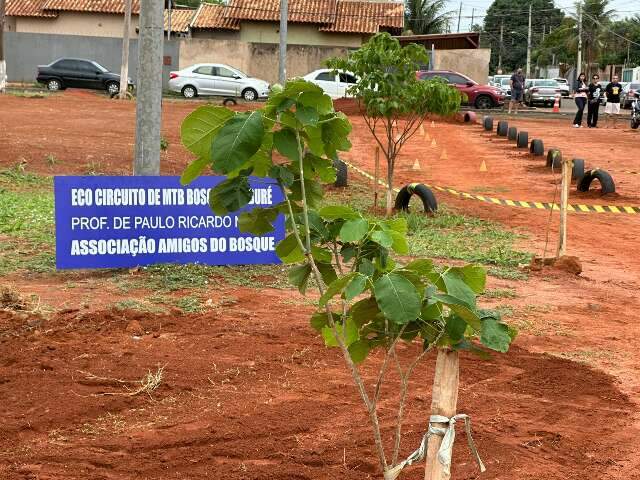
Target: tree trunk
[(444, 401), (389, 192), (124, 66)]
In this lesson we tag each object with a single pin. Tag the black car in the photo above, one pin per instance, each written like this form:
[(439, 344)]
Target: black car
[(79, 73)]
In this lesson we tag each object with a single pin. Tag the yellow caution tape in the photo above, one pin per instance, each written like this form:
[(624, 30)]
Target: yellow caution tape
[(619, 209)]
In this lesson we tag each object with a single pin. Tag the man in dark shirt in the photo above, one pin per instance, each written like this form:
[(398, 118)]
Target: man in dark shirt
[(595, 92), (612, 109), (517, 89)]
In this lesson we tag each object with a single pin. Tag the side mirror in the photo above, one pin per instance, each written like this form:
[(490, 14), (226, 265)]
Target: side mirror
[(237, 77), (470, 84)]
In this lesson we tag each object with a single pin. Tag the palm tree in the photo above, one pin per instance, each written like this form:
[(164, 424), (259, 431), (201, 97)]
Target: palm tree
[(596, 19), (426, 16)]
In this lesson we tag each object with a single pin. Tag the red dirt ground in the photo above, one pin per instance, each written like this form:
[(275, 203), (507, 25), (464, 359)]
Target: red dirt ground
[(246, 397)]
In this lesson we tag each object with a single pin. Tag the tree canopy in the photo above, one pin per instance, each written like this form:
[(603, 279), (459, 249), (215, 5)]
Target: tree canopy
[(423, 17)]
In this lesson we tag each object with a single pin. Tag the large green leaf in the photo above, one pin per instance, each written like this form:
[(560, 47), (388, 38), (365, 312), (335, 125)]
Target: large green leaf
[(288, 250), (397, 298), (230, 195), (201, 126), (475, 276), (335, 135), (364, 311), (455, 328), (354, 230), (286, 143), (349, 333), (421, 266), (457, 286), (337, 286), (383, 238), (355, 287), (495, 335), (258, 221), (327, 272), (299, 276), (359, 350), (194, 170), (461, 308), (335, 212), (237, 141)]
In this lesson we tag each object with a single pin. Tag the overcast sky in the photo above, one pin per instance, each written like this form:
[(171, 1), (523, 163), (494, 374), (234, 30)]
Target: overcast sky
[(624, 7)]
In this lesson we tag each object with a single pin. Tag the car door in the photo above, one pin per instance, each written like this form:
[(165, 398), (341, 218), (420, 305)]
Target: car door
[(227, 82), (68, 71), (346, 81), (328, 82), (203, 78), (461, 83), (88, 75)]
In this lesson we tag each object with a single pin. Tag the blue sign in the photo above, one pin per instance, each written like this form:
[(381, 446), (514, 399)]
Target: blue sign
[(106, 222)]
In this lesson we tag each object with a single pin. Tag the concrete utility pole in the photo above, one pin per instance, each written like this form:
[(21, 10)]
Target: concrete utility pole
[(473, 11), (579, 60), (284, 13), (459, 16), (501, 44), (124, 67), (149, 104), (169, 19), (529, 46), (3, 63)]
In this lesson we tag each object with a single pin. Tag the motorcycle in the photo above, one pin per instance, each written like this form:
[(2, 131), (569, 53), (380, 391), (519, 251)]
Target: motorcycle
[(635, 112)]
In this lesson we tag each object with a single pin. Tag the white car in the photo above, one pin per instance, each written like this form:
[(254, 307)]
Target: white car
[(334, 85), (217, 79)]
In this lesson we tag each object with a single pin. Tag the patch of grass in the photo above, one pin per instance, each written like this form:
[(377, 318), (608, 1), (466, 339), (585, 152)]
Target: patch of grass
[(51, 159), (164, 144), (488, 189), (28, 94), (27, 226), (500, 293), (189, 304), (137, 305)]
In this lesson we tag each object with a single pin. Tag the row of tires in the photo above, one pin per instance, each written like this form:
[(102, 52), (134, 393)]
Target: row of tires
[(583, 178)]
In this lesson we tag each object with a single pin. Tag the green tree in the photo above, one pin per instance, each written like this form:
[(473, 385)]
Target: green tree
[(367, 301), (513, 17), (426, 16), (393, 101)]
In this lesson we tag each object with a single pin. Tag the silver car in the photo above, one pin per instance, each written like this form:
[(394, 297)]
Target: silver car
[(217, 79), (541, 91)]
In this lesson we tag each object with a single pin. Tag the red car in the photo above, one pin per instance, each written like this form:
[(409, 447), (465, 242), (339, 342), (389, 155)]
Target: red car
[(480, 96)]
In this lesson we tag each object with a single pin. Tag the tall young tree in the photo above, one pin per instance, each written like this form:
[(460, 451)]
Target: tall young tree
[(426, 16)]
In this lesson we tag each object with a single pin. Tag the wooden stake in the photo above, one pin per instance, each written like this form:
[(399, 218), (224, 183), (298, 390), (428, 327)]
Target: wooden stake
[(567, 167), (444, 401), (376, 179)]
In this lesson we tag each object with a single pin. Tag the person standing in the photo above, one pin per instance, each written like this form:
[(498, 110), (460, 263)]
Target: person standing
[(580, 90), (612, 109), (517, 90), (593, 107)]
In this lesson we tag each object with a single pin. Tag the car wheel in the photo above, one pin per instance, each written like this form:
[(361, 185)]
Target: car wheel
[(113, 88), (250, 95), (54, 85), (189, 92), (483, 102)]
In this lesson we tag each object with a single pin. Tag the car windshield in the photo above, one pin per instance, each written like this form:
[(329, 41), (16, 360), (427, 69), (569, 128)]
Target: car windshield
[(239, 72), (505, 81), (634, 86), (100, 67), (546, 83)]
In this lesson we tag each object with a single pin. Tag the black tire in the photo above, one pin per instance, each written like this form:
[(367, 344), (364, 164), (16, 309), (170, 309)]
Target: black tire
[(229, 101), (484, 102), (577, 172), (112, 88), (488, 123), (554, 158), (522, 140), (250, 95), (189, 91), (606, 181), (54, 85), (635, 124), (341, 173), (426, 195), (512, 133), (503, 128), (537, 147)]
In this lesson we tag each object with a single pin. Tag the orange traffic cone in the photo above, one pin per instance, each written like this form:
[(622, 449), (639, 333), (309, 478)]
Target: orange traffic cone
[(556, 104), (483, 166), (416, 165)]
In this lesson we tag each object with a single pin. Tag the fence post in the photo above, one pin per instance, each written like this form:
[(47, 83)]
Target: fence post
[(567, 167)]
